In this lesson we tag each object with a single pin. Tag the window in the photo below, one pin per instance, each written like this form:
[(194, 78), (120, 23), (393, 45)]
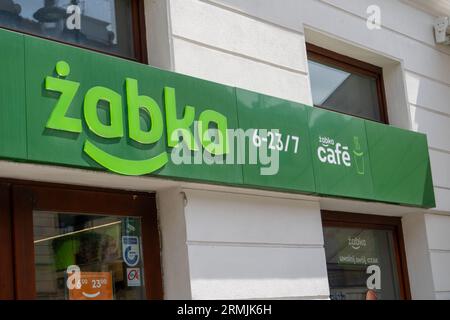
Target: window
[(62, 243), (111, 26), (346, 85), (94, 245), (365, 257)]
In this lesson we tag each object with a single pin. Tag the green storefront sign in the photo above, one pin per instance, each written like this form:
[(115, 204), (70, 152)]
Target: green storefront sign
[(340, 154), (67, 106)]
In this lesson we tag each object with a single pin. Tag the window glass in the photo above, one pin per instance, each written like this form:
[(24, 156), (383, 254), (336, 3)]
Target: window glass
[(87, 257), (99, 24), (342, 91), (361, 264)]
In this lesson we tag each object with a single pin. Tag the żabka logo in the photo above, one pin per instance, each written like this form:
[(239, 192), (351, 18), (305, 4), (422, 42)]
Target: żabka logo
[(135, 104), (335, 153), (356, 243)]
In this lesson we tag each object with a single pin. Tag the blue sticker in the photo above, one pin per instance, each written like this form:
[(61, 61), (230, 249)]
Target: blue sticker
[(130, 250)]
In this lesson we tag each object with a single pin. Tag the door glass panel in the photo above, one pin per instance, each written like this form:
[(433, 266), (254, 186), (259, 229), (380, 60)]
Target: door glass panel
[(361, 264), (87, 257)]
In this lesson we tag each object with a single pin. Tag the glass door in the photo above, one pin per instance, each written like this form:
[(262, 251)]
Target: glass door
[(85, 244), (365, 257)]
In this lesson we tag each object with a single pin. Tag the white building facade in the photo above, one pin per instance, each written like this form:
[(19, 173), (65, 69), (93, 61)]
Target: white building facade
[(242, 244), (228, 242)]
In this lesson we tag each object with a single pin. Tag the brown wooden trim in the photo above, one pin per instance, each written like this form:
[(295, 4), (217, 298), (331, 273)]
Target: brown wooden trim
[(30, 183), (383, 102), (42, 196), (341, 60), (151, 252), (6, 246), (403, 269), (93, 202), (352, 65), (138, 30), (25, 281), (355, 220)]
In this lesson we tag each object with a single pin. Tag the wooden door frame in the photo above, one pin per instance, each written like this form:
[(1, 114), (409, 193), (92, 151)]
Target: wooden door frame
[(368, 221), (6, 246), (28, 197)]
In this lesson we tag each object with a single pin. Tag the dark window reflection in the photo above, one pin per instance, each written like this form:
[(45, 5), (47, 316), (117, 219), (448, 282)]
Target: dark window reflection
[(361, 264), (99, 24), (342, 91)]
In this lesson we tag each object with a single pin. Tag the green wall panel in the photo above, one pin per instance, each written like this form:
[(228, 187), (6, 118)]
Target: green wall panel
[(90, 70), (12, 98), (204, 95), (81, 114), (340, 155), (294, 169), (400, 165)]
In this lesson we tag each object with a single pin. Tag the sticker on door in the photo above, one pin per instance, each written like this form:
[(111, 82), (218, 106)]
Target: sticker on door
[(130, 250), (134, 277)]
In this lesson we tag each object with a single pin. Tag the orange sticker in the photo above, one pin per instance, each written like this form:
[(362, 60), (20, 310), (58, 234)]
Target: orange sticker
[(94, 286)]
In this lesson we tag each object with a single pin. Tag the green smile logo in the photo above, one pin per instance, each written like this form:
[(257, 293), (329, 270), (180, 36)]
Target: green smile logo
[(135, 103)]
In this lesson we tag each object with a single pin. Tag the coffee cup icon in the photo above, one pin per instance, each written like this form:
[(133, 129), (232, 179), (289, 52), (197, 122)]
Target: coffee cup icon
[(358, 156)]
